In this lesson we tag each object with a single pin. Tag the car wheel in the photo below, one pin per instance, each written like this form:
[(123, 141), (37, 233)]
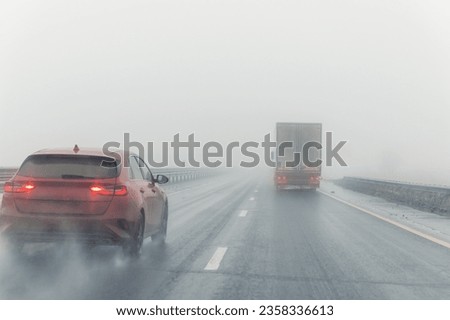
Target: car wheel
[(133, 247), (160, 237)]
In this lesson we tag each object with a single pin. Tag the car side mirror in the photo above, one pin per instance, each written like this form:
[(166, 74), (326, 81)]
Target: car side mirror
[(161, 179)]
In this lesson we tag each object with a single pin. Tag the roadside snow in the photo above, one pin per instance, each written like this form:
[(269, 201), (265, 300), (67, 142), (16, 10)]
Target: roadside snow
[(429, 223)]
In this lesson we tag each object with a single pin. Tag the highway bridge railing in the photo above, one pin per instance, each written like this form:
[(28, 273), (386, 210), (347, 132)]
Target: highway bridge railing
[(175, 175), (432, 198)]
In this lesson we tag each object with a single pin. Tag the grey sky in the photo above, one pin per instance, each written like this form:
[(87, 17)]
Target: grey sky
[(376, 73)]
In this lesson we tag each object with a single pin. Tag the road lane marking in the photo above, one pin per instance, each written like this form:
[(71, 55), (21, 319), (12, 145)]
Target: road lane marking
[(395, 223), (243, 213), (252, 198), (214, 262), (256, 190)]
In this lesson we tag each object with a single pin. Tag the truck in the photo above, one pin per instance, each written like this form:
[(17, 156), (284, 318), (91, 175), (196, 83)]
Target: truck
[(298, 155)]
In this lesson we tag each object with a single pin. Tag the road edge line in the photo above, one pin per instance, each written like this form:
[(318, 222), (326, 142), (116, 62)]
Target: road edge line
[(395, 223)]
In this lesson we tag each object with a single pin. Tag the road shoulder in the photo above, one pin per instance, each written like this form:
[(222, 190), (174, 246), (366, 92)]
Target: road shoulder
[(428, 224)]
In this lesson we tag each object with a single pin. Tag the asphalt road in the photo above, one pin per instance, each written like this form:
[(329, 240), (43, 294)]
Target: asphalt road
[(235, 237)]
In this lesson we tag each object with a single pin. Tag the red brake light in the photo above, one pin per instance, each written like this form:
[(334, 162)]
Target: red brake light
[(11, 187), (29, 186), (8, 187), (120, 191), (109, 190)]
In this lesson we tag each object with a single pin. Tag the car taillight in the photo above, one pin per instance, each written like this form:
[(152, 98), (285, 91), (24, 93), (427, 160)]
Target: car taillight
[(109, 190), (11, 187), (7, 187), (120, 190)]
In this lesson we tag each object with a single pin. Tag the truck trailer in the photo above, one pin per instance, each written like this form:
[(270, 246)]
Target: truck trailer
[(298, 155)]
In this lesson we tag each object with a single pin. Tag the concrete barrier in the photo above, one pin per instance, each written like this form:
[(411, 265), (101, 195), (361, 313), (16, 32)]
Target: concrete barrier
[(423, 197)]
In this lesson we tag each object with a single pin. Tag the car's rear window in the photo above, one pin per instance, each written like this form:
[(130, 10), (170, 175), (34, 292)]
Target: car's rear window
[(69, 167)]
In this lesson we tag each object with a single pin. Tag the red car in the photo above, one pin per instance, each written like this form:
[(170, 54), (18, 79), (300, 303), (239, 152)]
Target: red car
[(82, 194)]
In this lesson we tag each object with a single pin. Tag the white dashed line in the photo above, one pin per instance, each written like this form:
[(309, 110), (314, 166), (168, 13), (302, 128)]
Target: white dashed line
[(214, 262), (252, 198), (256, 190), (243, 213)]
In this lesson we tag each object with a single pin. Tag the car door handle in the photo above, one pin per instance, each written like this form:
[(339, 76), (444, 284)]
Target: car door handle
[(142, 190), (154, 191)]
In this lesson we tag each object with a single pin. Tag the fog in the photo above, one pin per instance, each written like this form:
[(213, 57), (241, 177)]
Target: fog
[(71, 271), (375, 73)]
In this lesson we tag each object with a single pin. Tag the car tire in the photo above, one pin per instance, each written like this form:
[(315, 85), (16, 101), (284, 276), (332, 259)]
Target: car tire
[(160, 236), (133, 247)]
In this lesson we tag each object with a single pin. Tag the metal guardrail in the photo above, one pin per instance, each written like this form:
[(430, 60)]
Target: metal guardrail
[(175, 175), (418, 186), (432, 198), (184, 174), (5, 175)]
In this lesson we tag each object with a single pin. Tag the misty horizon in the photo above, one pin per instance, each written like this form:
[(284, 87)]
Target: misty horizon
[(376, 74)]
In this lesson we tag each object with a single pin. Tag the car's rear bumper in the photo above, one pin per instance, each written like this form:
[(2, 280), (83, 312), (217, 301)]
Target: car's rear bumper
[(56, 229)]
